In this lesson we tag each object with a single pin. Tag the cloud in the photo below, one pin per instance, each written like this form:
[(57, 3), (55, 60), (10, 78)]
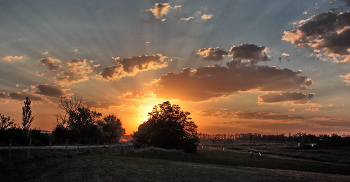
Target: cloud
[(210, 82), (214, 54), (76, 72), (131, 66), (206, 16), (294, 97), (12, 58), (49, 90), (249, 115), (50, 63), (325, 33), (135, 95), (159, 10), (102, 105), (347, 78), (188, 18), (250, 52), (21, 96)]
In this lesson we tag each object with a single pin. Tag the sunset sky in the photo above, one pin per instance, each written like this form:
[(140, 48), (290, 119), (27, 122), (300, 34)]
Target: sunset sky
[(238, 66)]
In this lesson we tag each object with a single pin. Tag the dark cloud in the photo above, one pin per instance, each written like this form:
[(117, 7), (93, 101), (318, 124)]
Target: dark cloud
[(213, 54), (3, 95), (50, 90), (295, 97), (50, 63), (131, 66), (22, 96), (249, 51), (327, 33), (206, 83), (249, 115)]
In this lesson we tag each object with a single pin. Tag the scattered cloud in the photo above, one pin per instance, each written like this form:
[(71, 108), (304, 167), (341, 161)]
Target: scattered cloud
[(101, 105), (206, 16), (325, 33), (159, 10), (250, 52), (135, 95), (77, 72), (347, 78), (188, 18), (294, 97), (13, 58), (210, 82), (249, 115), (50, 63), (131, 66), (214, 54)]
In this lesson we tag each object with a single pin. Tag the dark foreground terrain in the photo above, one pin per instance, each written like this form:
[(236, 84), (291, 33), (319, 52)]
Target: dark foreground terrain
[(152, 164)]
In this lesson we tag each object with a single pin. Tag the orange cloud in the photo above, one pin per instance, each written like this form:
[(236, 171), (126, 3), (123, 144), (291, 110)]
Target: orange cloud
[(206, 16), (12, 58), (131, 66), (159, 10), (135, 95)]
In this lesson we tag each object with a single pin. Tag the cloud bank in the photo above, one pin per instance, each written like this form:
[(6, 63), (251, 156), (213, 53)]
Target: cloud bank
[(206, 83)]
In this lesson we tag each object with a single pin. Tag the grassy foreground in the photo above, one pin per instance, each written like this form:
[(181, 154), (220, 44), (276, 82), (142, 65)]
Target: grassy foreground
[(160, 165)]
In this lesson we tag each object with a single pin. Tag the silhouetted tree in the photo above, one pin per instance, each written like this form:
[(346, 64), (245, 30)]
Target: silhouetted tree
[(5, 123), (69, 104), (112, 129), (168, 127), (27, 117)]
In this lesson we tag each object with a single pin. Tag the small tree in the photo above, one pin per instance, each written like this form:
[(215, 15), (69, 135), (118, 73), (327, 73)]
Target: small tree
[(27, 117), (168, 127), (5, 123)]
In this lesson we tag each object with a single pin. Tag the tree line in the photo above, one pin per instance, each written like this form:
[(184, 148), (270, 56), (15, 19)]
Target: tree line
[(167, 127), (323, 140), (78, 124)]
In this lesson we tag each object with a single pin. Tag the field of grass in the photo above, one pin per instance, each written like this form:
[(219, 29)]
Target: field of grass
[(152, 164)]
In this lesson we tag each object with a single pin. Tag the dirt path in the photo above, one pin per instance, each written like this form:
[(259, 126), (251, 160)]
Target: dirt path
[(118, 168)]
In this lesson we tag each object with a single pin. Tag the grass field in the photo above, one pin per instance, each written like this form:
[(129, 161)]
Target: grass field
[(209, 164)]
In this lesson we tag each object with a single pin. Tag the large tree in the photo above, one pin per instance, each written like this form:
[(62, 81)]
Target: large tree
[(27, 117), (112, 129), (168, 127)]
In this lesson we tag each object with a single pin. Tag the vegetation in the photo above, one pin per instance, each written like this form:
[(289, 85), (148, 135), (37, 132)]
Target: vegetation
[(168, 127), (82, 125), (154, 164), (303, 139), (27, 117)]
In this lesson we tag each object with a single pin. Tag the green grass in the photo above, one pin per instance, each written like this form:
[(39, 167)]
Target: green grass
[(235, 158), (153, 164)]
